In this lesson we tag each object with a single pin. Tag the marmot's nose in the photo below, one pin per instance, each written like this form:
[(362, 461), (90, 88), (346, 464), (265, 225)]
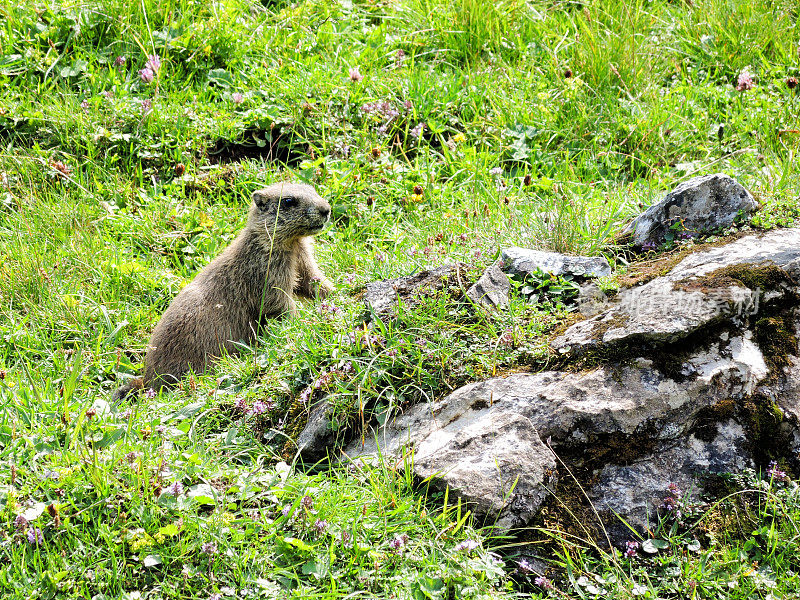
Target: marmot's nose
[(325, 212)]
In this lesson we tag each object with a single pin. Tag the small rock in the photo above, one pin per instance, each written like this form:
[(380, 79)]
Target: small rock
[(382, 296), (317, 436), (522, 261), (702, 204), (492, 289)]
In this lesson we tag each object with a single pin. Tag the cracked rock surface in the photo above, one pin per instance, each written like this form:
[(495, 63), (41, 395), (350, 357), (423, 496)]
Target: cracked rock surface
[(695, 372)]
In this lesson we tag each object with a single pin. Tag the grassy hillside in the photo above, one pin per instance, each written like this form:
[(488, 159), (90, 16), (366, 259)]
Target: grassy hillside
[(133, 134)]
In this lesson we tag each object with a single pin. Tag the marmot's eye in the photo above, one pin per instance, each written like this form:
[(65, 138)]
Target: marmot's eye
[(289, 201)]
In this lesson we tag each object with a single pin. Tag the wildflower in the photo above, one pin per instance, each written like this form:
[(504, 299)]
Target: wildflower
[(61, 168), (631, 548), (285, 511), (391, 352), (775, 473), (146, 75), (673, 501), (120, 61), (380, 257), (147, 107), (348, 368), (543, 582), (496, 171), (649, 246), (259, 407), (421, 342), (21, 523), (345, 537), (468, 545), (85, 105), (176, 489), (350, 278), (477, 254), (240, 404), (686, 235), (791, 82), (153, 63), (525, 566), (416, 133), (126, 414), (745, 81), (160, 429), (238, 98), (354, 74), (35, 536), (305, 395), (132, 457), (215, 596), (209, 548), (398, 542), (320, 525), (507, 337), (459, 138), (307, 502), (328, 307), (408, 105)]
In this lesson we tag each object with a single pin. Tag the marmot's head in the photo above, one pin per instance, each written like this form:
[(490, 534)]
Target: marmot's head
[(288, 211)]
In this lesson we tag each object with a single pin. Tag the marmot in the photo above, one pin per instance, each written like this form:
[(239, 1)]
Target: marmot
[(254, 279)]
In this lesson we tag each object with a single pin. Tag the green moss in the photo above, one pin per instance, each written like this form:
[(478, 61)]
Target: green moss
[(765, 276), (776, 338)]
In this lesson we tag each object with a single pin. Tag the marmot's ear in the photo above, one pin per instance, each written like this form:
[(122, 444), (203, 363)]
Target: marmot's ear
[(260, 199)]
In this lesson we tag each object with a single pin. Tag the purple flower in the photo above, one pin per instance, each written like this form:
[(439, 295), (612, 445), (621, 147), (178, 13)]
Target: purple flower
[(649, 246), (240, 404), (21, 523), (132, 457), (468, 545), (775, 473), (285, 511), (391, 352), (345, 537), (176, 489), (307, 502), (686, 235), (408, 105), (85, 104), (305, 395), (238, 98), (146, 75), (380, 257), (525, 566), (259, 407), (150, 393), (631, 548), (35, 536), (153, 63), (216, 596), (543, 582), (120, 61), (496, 171), (398, 542), (416, 133), (745, 81), (147, 107), (507, 337), (421, 342), (320, 525), (209, 548), (354, 74), (328, 307)]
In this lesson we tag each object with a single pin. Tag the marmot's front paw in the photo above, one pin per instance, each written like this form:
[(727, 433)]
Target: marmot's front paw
[(322, 287)]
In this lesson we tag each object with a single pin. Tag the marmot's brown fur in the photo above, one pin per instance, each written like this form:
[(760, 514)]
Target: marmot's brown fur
[(254, 279)]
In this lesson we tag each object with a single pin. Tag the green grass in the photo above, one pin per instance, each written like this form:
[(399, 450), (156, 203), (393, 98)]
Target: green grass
[(544, 124)]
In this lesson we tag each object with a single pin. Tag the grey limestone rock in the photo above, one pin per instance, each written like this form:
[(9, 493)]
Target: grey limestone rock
[(701, 203)]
